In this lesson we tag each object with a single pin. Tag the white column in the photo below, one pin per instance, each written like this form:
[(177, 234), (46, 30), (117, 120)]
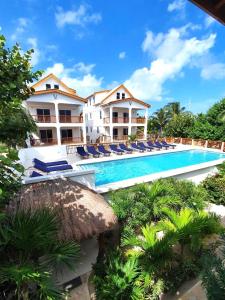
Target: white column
[(111, 123), (130, 121), (58, 132), (222, 146), (84, 133), (146, 124)]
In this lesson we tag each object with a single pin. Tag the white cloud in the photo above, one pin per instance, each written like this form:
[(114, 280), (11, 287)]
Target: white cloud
[(209, 21), (122, 55), (79, 17), (213, 71), (85, 83), (177, 5), (171, 52), (36, 55), (22, 24)]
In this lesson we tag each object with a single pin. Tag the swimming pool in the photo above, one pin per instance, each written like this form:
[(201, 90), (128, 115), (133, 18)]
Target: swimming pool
[(127, 168)]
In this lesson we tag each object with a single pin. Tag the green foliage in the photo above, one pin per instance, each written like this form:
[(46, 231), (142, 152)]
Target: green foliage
[(179, 125), (10, 175), (215, 186), (29, 254), (118, 278), (213, 273), (132, 137)]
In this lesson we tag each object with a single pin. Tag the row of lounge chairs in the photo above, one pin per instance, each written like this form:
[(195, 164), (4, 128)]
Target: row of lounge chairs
[(122, 148)]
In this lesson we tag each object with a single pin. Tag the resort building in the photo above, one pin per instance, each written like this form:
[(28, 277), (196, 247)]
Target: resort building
[(58, 113), (113, 115)]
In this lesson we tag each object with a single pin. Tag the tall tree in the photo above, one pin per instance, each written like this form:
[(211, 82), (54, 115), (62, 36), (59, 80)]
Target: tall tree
[(160, 118), (175, 108)]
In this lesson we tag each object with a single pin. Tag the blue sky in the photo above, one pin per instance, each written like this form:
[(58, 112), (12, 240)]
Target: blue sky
[(165, 50)]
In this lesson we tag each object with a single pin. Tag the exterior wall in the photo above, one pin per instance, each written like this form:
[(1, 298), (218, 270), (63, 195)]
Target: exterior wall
[(52, 82)]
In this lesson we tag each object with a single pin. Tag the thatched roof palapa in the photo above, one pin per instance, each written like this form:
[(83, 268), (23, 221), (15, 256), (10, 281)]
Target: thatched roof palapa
[(82, 212)]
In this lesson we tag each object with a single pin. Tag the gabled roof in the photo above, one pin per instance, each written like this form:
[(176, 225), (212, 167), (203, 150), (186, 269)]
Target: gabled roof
[(56, 91), (128, 99), (52, 76), (115, 90), (98, 92)]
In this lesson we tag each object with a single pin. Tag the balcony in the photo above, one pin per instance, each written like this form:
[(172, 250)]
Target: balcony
[(116, 120), (71, 119), (120, 137), (43, 142), (138, 120), (71, 140), (44, 118)]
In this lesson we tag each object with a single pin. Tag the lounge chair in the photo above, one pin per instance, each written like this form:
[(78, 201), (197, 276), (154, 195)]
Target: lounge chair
[(50, 164), (148, 148), (125, 148), (102, 150), (137, 148), (160, 145), (116, 150), (53, 168), (35, 174), (82, 152), (170, 145), (91, 150), (149, 143)]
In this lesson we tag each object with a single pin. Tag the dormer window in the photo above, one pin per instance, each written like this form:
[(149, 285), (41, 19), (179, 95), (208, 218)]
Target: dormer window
[(123, 95), (117, 95), (56, 86), (48, 86)]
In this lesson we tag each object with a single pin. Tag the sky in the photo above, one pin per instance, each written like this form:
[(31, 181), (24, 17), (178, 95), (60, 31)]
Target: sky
[(162, 50)]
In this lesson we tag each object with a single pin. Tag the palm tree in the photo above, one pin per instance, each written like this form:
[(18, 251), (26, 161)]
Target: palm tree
[(175, 108), (154, 253), (29, 254), (190, 226), (161, 118)]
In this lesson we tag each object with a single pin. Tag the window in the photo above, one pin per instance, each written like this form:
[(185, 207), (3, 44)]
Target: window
[(86, 129), (56, 86), (117, 95), (48, 86), (65, 116), (43, 115), (97, 129), (93, 100), (90, 116), (66, 135), (123, 95), (91, 129), (100, 114), (125, 131), (46, 136)]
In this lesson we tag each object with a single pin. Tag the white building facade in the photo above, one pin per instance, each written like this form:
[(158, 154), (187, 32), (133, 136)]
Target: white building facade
[(58, 113), (114, 115)]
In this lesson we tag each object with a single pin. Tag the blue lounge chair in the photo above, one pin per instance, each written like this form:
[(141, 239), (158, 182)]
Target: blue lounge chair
[(125, 148), (116, 150), (166, 144), (149, 143), (102, 150), (148, 148), (50, 164), (137, 148), (53, 168), (35, 174), (91, 150), (82, 152), (162, 146)]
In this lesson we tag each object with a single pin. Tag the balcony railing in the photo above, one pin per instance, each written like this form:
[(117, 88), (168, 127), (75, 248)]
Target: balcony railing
[(120, 137), (71, 140), (43, 142), (139, 120), (44, 118), (70, 119)]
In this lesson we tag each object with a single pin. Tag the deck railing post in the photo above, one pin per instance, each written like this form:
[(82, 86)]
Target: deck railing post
[(181, 140), (206, 143), (192, 142), (222, 146)]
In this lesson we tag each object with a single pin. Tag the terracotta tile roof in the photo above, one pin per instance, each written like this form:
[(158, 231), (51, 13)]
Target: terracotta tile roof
[(51, 91)]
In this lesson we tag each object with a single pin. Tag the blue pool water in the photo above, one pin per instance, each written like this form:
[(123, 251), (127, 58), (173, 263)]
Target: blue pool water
[(117, 170)]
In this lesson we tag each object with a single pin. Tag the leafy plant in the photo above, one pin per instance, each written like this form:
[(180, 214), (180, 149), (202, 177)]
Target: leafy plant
[(29, 254)]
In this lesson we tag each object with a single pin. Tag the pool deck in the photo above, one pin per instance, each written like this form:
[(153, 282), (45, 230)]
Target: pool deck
[(148, 178)]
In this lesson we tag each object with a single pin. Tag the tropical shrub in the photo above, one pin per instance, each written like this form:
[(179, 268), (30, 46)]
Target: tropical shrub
[(215, 186), (30, 253), (179, 125), (213, 273)]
